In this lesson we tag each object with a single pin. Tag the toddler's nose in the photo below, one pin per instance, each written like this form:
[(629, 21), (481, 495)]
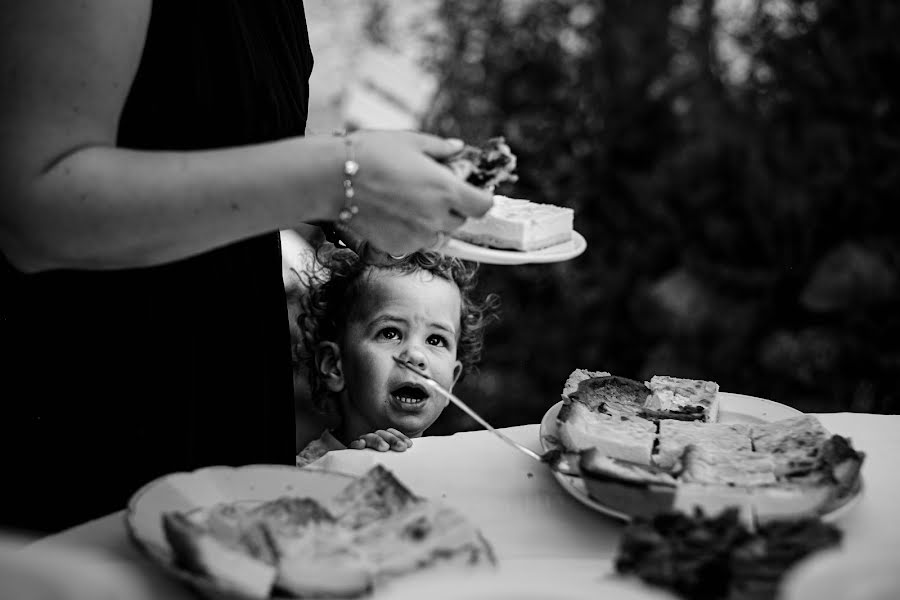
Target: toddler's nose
[(415, 356)]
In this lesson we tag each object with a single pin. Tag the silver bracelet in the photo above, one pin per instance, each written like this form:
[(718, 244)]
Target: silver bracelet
[(351, 168)]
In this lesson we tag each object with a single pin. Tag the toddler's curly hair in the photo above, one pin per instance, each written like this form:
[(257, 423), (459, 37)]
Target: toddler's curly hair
[(335, 287)]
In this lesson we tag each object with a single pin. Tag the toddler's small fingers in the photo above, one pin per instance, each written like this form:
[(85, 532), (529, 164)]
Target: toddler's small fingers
[(394, 438), (401, 436), (376, 442), (357, 444)]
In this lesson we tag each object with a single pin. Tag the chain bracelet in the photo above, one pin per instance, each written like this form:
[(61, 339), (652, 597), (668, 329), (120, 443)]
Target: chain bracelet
[(351, 168)]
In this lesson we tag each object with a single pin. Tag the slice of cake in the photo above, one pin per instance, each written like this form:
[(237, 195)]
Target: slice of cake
[(514, 224)]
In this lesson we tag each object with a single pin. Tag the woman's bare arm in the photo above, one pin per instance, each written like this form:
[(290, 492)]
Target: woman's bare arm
[(70, 199)]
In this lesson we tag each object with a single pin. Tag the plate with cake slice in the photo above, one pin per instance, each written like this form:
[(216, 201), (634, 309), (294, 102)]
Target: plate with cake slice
[(277, 532), (681, 444), (516, 231)]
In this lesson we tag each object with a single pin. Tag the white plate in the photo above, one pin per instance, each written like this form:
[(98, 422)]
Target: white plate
[(206, 487), (733, 408), (493, 256)]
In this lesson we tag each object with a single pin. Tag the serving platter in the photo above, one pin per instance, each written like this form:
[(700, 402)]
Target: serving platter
[(493, 256), (733, 408)]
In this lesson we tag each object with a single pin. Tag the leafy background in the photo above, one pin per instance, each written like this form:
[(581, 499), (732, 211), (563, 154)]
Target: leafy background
[(735, 169)]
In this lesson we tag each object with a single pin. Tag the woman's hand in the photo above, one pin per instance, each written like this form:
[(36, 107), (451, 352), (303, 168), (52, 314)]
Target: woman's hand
[(407, 199), (383, 440)]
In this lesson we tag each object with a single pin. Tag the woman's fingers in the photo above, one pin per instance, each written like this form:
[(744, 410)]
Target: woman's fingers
[(439, 148)]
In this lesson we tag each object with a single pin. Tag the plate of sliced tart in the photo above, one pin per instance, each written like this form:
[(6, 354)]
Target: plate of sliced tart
[(646, 447), (274, 531)]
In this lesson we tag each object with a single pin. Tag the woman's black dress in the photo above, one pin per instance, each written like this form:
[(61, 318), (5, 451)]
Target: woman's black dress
[(112, 378)]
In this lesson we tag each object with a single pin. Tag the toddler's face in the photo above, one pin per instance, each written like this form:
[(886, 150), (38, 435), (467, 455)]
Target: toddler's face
[(415, 316)]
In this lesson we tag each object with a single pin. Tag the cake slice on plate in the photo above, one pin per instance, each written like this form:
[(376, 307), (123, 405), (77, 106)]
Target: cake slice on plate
[(514, 224)]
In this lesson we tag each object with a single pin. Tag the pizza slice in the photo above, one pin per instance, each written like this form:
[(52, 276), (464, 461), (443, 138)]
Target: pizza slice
[(683, 399), (485, 166)]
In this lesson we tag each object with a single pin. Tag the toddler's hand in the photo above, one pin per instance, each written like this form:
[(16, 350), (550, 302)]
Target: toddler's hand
[(383, 440)]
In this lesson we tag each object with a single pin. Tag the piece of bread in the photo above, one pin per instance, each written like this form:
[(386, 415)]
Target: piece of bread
[(685, 399), (674, 436), (516, 224)]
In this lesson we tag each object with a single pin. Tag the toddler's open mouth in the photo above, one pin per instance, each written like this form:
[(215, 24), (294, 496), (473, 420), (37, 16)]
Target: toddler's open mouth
[(410, 394)]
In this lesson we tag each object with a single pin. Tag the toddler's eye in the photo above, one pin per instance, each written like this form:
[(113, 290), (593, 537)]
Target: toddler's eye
[(437, 340), (389, 333)]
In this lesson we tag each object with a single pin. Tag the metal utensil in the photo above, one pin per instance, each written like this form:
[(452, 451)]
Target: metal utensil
[(553, 458)]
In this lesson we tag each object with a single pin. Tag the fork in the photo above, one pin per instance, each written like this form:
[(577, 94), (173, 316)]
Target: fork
[(554, 458)]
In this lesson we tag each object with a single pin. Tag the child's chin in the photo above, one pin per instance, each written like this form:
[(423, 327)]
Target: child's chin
[(411, 427)]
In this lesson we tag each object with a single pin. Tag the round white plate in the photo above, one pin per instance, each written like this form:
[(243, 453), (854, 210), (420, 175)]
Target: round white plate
[(733, 408), (493, 256), (209, 486)]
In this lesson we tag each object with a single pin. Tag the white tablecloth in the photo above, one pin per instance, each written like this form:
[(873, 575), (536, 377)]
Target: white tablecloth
[(525, 514)]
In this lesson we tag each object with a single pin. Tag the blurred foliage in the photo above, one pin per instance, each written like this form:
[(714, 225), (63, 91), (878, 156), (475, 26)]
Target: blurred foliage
[(735, 172)]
